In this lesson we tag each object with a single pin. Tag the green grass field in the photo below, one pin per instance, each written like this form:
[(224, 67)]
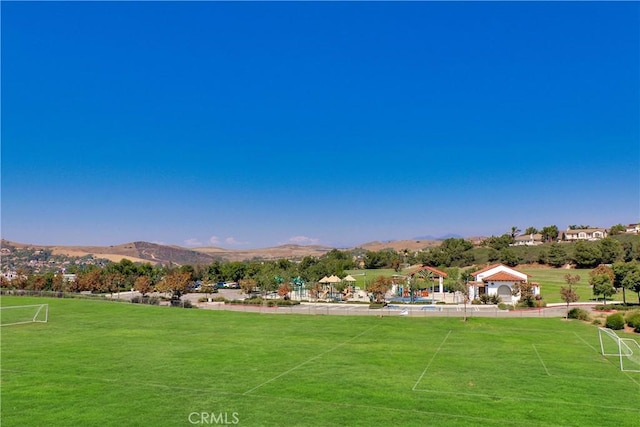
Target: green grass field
[(552, 279), (115, 364)]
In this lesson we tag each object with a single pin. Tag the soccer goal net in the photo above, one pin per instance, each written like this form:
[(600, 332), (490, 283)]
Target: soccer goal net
[(627, 350), (19, 314)]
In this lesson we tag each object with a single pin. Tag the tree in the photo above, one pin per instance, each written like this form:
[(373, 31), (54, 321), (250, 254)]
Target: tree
[(549, 233), (568, 295), (379, 287), (457, 282), (515, 231), (556, 256), (527, 296), (283, 290), (176, 282), (493, 255), (509, 257), (571, 280), (90, 280), (632, 280), (610, 250), (617, 229), (142, 284), (627, 276), (586, 255), (374, 260), (500, 242), (113, 281), (248, 286), (451, 252), (58, 282), (531, 230), (620, 271), (601, 280), (233, 271)]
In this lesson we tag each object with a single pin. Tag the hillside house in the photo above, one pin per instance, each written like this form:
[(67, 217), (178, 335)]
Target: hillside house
[(528, 240), (498, 279), (633, 229), (585, 234)]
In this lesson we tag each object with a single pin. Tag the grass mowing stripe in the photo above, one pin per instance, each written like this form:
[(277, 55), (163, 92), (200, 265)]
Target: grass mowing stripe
[(403, 410), (582, 339), (309, 360), (432, 359), (540, 358), (528, 399)]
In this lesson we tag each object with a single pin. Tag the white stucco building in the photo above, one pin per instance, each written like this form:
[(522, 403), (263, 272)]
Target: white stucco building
[(585, 234), (498, 279)]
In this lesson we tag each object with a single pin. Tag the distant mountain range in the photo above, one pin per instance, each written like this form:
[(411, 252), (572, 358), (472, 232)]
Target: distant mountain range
[(446, 236), (164, 254)]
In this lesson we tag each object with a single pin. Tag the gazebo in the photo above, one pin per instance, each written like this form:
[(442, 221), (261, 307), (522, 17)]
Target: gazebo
[(426, 272)]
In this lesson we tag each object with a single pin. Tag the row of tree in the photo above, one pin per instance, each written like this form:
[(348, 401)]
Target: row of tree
[(606, 281)]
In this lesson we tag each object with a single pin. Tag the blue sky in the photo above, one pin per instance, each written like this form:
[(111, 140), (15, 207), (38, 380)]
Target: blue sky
[(256, 124)]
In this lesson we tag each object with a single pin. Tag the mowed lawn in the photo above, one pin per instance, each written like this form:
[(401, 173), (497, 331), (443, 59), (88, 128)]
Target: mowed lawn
[(552, 279), (104, 363)]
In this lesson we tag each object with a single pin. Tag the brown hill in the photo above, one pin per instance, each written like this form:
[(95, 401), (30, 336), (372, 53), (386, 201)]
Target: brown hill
[(164, 254), (400, 245), (277, 252)]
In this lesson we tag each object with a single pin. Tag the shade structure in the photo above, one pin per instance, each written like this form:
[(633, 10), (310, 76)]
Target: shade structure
[(325, 279), (334, 279), (349, 278)]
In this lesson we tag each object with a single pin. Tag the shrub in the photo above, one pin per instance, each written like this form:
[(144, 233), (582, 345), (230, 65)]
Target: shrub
[(376, 305), (633, 320), (154, 301), (615, 321), (578, 313), (219, 299), (203, 299), (187, 304), (286, 302), (475, 301), (136, 300), (495, 299), (503, 306), (597, 322)]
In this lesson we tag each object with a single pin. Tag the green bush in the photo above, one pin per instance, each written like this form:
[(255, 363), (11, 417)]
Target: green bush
[(503, 306), (633, 320), (578, 313), (615, 321), (286, 302), (495, 299), (203, 299), (145, 300), (596, 322)]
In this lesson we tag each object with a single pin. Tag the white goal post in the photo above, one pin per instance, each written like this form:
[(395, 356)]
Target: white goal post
[(626, 349), (20, 314)]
